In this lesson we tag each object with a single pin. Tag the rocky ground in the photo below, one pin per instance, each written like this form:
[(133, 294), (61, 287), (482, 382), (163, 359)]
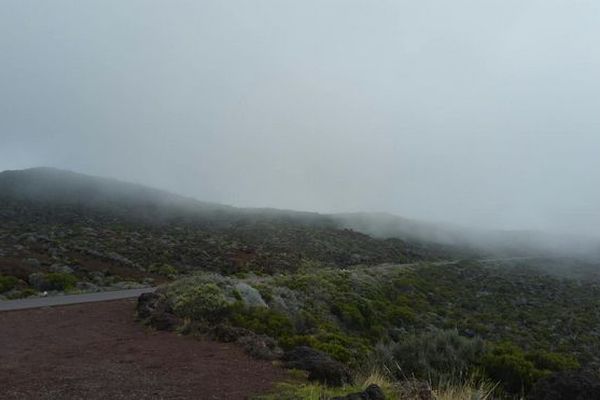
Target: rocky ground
[(98, 351)]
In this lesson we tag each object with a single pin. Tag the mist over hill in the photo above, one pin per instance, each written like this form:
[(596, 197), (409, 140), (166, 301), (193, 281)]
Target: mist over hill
[(50, 187)]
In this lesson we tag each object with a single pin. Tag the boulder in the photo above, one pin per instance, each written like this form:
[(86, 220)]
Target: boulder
[(165, 321), (320, 366), (153, 308), (260, 346), (147, 304), (567, 385)]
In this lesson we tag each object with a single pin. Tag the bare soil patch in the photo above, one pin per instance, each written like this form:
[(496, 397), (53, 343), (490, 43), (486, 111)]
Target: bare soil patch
[(97, 351)]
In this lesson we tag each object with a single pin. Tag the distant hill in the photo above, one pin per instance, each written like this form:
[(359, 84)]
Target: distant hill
[(102, 227), (46, 189)]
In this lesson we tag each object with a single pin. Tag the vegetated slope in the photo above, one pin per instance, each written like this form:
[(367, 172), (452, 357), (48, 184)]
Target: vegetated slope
[(516, 324), (59, 228)]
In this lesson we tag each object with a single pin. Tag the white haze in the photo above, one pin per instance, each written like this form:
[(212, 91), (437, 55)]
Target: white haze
[(481, 113)]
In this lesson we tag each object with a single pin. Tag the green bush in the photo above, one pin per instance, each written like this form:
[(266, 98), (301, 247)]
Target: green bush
[(205, 302), (7, 283), (60, 281), (163, 269), (261, 320), (546, 360), (433, 355), (508, 364)]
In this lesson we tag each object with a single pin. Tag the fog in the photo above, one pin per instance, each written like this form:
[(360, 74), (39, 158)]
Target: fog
[(483, 114)]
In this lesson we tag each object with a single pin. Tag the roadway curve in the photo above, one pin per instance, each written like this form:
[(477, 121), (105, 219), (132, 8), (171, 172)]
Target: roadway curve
[(37, 302)]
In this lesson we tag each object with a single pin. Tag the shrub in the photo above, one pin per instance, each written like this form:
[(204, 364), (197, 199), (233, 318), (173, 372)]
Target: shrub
[(507, 363), (203, 302), (261, 320), (431, 355), (7, 283), (60, 281), (546, 360), (52, 280)]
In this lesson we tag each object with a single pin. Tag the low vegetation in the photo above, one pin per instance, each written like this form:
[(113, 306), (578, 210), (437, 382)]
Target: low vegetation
[(430, 323)]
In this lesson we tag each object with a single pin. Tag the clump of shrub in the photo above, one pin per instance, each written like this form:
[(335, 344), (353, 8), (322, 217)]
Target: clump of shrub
[(205, 302), (166, 270), (433, 355), (518, 370), (52, 281), (7, 283)]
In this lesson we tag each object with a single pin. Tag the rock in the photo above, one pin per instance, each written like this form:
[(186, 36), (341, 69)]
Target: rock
[(147, 304), (153, 308), (320, 366), (567, 385), (373, 392), (164, 321), (260, 346), (227, 333)]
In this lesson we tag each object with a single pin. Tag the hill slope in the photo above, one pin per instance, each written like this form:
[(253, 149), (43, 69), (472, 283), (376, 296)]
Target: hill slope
[(104, 232)]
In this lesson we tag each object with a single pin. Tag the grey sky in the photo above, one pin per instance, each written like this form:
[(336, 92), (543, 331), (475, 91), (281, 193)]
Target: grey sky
[(475, 112)]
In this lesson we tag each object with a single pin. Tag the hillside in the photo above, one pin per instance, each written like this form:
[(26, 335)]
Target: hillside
[(92, 233), (357, 292)]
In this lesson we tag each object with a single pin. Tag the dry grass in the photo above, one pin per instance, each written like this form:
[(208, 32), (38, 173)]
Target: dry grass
[(409, 389)]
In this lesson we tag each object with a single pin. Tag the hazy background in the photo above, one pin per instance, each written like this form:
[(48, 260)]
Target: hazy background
[(482, 113)]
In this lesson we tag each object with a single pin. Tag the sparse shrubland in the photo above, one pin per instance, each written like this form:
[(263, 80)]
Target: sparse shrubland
[(433, 323), (275, 281)]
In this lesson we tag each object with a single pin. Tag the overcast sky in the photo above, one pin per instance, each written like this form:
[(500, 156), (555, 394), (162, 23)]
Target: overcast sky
[(476, 112)]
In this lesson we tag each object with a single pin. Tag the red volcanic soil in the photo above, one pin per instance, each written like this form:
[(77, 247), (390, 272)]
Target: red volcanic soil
[(97, 351)]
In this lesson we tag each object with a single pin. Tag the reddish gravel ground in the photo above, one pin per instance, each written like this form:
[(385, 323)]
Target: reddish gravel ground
[(97, 351)]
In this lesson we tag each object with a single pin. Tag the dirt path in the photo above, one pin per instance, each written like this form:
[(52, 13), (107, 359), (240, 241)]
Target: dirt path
[(96, 351)]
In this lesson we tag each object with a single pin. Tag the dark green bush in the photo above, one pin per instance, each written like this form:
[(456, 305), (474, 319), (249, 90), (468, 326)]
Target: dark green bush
[(549, 361), (508, 364), (60, 281), (433, 355), (260, 320), (7, 283)]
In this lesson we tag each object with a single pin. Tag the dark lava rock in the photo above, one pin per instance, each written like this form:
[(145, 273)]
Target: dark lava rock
[(260, 346), (153, 309), (164, 321), (147, 304), (373, 392), (227, 333), (319, 365), (567, 385)]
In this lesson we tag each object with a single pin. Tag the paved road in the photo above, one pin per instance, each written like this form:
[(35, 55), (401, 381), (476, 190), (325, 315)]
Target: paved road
[(36, 302)]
